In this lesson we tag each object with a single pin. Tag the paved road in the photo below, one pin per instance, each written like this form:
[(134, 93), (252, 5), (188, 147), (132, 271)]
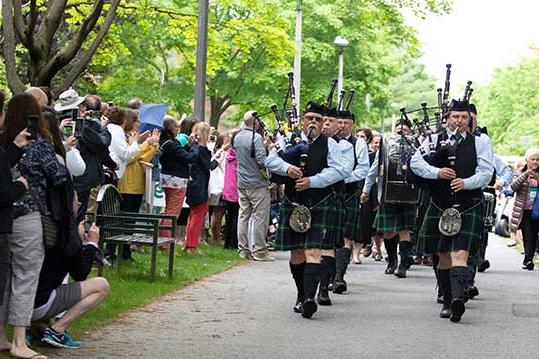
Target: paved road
[(246, 313)]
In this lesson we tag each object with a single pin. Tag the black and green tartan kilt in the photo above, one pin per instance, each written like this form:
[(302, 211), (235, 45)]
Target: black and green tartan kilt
[(431, 241), (324, 222), (336, 231), (395, 218), (352, 218)]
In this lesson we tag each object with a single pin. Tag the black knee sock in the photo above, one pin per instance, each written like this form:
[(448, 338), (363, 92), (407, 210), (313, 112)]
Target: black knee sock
[(445, 286), (391, 249), (459, 278), (311, 276), (328, 267), (343, 258), (297, 273), (405, 250)]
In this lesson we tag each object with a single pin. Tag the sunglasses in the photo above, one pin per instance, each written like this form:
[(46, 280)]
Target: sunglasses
[(316, 118)]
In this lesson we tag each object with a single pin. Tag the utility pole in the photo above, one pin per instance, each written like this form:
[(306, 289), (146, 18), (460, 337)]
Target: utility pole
[(201, 59), (297, 54)]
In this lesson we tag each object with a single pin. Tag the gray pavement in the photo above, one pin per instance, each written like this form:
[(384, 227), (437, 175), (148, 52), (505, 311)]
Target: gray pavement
[(247, 313)]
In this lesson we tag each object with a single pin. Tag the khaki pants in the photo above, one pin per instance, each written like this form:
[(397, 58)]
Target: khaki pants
[(27, 254), (255, 206)]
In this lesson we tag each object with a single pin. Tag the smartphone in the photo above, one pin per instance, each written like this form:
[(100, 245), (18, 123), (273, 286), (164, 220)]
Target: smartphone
[(213, 138), (69, 129), (33, 126), (89, 219), (78, 130)]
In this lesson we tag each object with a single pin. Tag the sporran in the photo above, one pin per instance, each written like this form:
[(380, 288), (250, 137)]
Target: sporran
[(300, 219), (450, 222)]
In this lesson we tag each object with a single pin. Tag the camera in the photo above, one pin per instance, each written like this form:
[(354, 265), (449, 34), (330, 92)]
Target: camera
[(96, 115), (78, 130), (69, 129), (33, 126), (213, 138)]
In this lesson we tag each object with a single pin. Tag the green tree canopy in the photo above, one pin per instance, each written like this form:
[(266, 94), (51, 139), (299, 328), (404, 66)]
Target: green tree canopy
[(509, 106)]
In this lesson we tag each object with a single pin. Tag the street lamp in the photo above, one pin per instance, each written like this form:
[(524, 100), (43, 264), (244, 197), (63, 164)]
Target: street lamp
[(341, 43)]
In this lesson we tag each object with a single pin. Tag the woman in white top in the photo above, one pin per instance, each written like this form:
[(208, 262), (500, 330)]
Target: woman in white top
[(122, 147)]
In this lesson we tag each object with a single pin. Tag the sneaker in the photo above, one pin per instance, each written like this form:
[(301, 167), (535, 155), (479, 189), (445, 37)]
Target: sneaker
[(60, 340), (263, 257), (246, 255)]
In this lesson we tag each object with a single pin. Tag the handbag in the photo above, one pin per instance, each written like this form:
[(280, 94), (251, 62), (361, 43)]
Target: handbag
[(216, 185), (50, 228)]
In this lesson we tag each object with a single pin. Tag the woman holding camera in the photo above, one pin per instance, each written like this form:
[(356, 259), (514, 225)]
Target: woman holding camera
[(525, 185), (40, 167)]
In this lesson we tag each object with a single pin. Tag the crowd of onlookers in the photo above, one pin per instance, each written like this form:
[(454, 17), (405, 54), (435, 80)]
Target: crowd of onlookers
[(55, 157)]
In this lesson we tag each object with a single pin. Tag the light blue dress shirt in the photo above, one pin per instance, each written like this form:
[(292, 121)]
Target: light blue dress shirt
[(372, 174), (483, 172), (362, 167), (347, 152), (328, 176)]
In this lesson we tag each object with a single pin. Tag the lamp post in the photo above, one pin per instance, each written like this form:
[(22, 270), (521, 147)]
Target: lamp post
[(341, 43), (297, 54), (201, 56)]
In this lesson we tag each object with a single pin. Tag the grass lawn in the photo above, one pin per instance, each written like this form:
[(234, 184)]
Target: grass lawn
[(130, 286)]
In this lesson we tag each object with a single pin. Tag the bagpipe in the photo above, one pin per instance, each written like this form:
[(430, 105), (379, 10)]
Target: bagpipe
[(396, 183)]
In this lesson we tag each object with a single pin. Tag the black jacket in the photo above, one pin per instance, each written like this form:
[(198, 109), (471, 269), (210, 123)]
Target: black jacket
[(9, 191), (57, 265), (94, 149), (174, 158), (201, 165)]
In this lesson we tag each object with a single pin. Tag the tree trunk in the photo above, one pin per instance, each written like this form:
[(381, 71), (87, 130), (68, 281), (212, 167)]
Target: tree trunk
[(218, 106), (15, 84)]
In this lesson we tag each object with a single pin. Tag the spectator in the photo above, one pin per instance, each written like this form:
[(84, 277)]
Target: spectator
[(230, 197), (39, 95), (197, 190), (185, 130), (217, 179), (93, 147), (121, 150), (174, 162), (525, 185), (41, 169), (133, 183), (67, 152), (77, 297), (134, 104), (10, 191), (254, 197)]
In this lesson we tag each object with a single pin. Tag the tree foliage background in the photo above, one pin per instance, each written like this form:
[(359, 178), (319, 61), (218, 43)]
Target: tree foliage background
[(149, 51), (509, 106)]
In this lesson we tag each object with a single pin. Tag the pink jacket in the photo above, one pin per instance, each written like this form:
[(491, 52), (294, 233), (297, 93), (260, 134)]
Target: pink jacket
[(230, 189)]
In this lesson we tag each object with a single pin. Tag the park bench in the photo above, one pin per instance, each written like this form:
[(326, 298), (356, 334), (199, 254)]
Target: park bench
[(130, 228)]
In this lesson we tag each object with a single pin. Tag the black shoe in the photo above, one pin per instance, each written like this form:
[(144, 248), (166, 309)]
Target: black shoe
[(298, 308), (440, 299), (529, 265), (339, 286), (457, 310), (323, 296), (330, 286), (483, 266), (309, 308), (323, 299), (391, 268), (445, 313), (473, 291), (401, 270)]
